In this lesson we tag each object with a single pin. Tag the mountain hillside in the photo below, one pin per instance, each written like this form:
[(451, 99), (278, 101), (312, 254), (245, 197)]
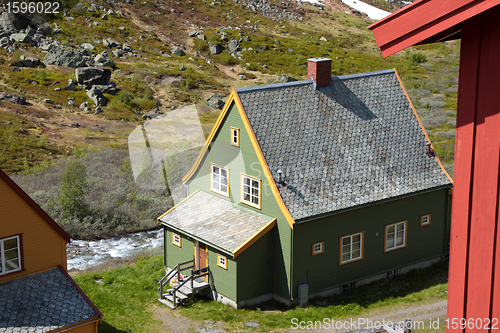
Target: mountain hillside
[(84, 79)]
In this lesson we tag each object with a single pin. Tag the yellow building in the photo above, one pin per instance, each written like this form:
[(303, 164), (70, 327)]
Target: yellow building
[(36, 292)]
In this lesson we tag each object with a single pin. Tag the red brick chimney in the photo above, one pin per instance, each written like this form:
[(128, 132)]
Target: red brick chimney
[(320, 69)]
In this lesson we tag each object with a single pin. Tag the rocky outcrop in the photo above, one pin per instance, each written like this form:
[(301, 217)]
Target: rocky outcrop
[(215, 101), (63, 57), (284, 79), (90, 76)]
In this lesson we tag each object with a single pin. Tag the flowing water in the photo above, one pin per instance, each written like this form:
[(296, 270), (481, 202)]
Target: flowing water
[(84, 254)]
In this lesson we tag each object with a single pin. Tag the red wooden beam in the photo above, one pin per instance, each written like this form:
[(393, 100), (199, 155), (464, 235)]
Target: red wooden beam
[(424, 20)]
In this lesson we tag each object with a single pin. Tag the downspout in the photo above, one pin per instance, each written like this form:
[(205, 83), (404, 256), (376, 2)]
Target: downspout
[(291, 267)]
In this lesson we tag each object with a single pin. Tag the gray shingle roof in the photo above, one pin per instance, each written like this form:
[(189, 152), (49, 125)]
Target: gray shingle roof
[(41, 302), (353, 142), (215, 220)]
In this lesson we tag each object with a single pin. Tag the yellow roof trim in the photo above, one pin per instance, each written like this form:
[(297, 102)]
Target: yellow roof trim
[(262, 161), (254, 238), (171, 209), (421, 125), (210, 137)]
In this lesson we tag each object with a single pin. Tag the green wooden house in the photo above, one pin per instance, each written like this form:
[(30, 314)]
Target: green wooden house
[(311, 188)]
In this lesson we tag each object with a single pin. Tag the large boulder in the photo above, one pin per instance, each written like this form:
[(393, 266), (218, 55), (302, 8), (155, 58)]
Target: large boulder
[(28, 62), (109, 42), (86, 48), (21, 37), (90, 76), (10, 21), (62, 57), (97, 97), (215, 49), (177, 51), (45, 29), (103, 59), (216, 102), (233, 45)]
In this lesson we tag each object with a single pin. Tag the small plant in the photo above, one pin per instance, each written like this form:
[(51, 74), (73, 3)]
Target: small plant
[(417, 58)]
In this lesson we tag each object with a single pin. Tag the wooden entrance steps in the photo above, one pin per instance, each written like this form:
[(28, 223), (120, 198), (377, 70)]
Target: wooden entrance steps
[(183, 286)]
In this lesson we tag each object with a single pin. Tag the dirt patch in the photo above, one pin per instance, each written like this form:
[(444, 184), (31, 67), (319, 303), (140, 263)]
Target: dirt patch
[(174, 322)]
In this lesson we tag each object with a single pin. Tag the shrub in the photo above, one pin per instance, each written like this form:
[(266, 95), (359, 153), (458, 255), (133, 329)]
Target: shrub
[(417, 58), (73, 187)]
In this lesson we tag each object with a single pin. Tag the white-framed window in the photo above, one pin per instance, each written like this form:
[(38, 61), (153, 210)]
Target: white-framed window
[(220, 180), (176, 240), (250, 191), (221, 261), (235, 136), (318, 248), (10, 255), (395, 236), (351, 247), (425, 220)]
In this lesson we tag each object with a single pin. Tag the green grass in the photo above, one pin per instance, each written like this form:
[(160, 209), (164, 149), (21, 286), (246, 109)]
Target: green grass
[(127, 295)]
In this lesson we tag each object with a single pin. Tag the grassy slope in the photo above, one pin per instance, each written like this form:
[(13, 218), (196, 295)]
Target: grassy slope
[(126, 296)]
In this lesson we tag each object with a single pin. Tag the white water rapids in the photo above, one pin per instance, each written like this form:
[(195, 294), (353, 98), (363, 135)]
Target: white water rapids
[(85, 254)]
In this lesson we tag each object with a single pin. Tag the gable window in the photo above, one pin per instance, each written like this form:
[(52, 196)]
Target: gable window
[(351, 248), (176, 240), (235, 136), (395, 236), (250, 191), (10, 255), (221, 261), (425, 220), (318, 248), (220, 180)]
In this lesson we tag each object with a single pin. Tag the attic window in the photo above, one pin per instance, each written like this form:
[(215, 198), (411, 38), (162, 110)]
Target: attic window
[(220, 180), (10, 255), (235, 136), (425, 220), (250, 191)]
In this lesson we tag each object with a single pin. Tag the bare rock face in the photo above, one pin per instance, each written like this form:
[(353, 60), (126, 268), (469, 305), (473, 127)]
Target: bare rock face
[(90, 76)]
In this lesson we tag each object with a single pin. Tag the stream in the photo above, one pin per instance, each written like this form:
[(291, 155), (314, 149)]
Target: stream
[(85, 254)]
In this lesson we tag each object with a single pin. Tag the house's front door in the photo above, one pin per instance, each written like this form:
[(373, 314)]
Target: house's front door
[(201, 256)]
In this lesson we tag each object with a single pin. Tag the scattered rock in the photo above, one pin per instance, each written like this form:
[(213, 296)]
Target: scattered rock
[(103, 59), (97, 97), (216, 101), (202, 37), (182, 68), (117, 53), (242, 77), (177, 51), (284, 79), (104, 17), (193, 33), (57, 89), (28, 62), (89, 76), (127, 48), (98, 110), (71, 85), (105, 88), (215, 49), (83, 105), (48, 101), (109, 42), (21, 37), (233, 45), (13, 98), (323, 39), (61, 57)]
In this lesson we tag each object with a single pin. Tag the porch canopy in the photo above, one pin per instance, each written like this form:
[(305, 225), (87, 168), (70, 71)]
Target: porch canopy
[(217, 222)]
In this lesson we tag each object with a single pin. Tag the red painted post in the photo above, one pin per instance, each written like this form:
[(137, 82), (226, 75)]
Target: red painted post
[(477, 164)]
